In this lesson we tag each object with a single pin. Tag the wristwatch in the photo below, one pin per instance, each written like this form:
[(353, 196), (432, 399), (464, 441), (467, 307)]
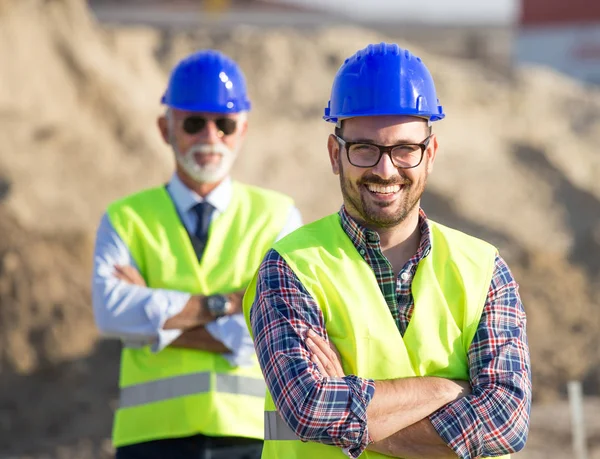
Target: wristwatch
[(217, 305)]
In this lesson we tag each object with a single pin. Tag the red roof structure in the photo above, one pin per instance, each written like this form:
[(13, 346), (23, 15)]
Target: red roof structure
[(552, 12)]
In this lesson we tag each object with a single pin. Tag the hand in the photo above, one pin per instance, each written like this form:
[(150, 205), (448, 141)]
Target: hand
[(130, 275), (465, 386), (236, 303), (325, 356)]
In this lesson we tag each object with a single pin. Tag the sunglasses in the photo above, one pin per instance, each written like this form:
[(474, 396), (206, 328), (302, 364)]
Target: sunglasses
[(195, 124)]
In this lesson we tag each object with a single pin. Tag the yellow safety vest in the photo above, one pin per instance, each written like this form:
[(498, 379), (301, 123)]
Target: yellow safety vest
[(180, 392), (449, 289)]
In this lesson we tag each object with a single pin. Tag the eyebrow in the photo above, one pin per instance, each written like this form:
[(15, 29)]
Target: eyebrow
[(398, 142)]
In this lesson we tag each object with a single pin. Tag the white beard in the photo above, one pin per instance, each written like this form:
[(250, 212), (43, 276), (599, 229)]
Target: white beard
[(209, 173)]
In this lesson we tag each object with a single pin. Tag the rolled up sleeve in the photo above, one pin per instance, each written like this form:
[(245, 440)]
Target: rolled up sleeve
[(494, 419), (325, 410), (132, 313)]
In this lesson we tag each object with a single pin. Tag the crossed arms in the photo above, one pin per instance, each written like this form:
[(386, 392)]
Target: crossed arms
[(412, 417), (125, 308), (397, 414)]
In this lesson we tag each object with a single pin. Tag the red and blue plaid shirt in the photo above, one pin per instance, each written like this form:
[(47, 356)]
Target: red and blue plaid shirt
[(492, 421)]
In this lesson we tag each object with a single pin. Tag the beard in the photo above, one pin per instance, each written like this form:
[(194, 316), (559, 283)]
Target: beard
[(371, 213), (208, 173)]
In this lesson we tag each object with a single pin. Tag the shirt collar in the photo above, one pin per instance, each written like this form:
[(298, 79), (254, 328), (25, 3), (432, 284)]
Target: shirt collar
[(184, 198), (360, 236)]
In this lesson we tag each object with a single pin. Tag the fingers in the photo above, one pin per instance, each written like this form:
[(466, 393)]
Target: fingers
[(321, 360), (319, 342), (129, 274), (120, 273), (324, 356), (314, 359), (237, 303)]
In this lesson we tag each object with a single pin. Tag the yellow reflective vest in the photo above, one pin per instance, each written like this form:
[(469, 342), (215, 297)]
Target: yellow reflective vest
[(449, 289), (181, 392)]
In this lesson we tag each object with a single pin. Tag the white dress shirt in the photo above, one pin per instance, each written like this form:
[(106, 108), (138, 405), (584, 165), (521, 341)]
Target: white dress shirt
[(137, 314)]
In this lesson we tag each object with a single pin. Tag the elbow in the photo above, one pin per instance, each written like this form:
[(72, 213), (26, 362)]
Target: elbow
[(518, 437), (518, 446), (294, 420), (513, 420), (512, 445), (516, 432), (105, 326), (302, 419)]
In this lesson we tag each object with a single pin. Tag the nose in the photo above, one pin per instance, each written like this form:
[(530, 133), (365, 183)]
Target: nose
[(385, 168), (210, 134)]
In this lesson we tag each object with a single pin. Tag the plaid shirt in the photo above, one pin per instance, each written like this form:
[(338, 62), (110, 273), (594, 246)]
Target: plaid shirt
[(493, 420)]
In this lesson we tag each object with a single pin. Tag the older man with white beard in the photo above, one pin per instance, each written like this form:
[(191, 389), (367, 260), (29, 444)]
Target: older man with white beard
[(171, 266)]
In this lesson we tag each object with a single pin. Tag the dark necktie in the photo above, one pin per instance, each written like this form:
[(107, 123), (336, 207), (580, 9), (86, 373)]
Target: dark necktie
[(204, 211)]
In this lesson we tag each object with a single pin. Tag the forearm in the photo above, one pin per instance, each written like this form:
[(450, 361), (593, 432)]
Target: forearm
[(418, 441), (494, 419), (199, 338), (400, 403), (331, 411), (129, 311), (195, 313), (123, 309)]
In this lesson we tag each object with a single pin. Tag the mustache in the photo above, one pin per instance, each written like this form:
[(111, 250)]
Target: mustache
[(376, 180), (206, 149)]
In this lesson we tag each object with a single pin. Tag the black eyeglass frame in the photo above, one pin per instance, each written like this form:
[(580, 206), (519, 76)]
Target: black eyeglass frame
[(385, 149), (226, 126)]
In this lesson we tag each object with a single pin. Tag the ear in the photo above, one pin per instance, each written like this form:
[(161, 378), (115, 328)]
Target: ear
[(243, 129), (163, 127), (431, 152), (334, 153)]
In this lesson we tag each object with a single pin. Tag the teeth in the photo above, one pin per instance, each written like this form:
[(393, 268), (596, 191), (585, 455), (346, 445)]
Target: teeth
[(383, 189)]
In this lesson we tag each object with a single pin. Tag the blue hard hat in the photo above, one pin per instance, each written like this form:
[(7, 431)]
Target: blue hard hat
[(383, 79), (207, 81)]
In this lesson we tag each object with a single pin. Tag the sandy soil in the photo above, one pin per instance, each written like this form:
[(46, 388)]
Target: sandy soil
[(78, 103)]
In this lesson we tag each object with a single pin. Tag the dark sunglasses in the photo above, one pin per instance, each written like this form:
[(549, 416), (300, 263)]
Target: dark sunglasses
[(195, 124)]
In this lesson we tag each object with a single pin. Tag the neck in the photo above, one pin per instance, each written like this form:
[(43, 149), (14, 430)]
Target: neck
[(400, 242), (201, 189), (404, 236)]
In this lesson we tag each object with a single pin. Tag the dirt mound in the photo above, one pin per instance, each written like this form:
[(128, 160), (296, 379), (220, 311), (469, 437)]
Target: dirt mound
[(78, 103), (76, 124)]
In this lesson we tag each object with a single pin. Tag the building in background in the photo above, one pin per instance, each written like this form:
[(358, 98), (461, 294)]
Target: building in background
[(562, 34)]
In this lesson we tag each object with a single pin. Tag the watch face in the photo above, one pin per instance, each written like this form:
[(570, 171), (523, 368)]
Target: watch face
[(218, 305)]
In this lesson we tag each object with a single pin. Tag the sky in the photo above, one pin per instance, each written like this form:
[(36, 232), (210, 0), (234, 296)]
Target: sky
[(435, 11)]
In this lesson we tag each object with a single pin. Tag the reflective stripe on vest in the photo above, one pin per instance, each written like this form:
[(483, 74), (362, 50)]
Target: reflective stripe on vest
[(180, 386), (276, 428), (179, 392)]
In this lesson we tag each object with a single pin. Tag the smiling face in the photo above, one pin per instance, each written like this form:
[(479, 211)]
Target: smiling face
[(382, 196)]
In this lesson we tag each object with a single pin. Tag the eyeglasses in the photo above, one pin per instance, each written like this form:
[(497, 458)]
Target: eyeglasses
[(195, 124), (403, 156)]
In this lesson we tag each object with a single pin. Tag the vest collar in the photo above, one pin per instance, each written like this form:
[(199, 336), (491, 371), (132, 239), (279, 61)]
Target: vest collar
[(361, 236), (184, 198)]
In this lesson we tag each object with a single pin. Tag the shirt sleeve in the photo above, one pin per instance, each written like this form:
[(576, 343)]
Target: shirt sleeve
[(494, 419), (326, 410), (233, 333), (132, 313)]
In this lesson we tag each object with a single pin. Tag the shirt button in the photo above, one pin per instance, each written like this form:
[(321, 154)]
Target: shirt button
[(362, 251), (404, 276), (371, 237)]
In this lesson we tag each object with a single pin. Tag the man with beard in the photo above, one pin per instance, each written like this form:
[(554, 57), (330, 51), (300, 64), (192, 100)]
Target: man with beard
[(380, 332), (171, 266)]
